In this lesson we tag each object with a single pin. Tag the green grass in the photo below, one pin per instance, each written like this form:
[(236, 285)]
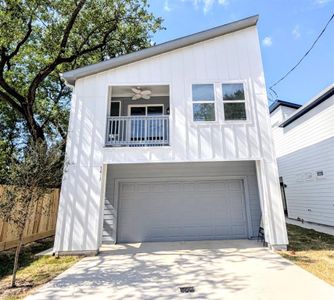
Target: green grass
[(33, 272), (26, 257), (311, 250), (302, 239)]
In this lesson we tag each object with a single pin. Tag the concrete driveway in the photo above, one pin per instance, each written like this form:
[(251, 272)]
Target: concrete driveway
[(216, 269)]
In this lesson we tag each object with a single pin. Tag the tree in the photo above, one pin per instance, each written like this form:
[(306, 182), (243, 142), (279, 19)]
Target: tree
[(40, 39), (10, 138), (31, 177)]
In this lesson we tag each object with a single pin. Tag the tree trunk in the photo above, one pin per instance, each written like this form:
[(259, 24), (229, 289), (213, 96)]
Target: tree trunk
[(16, 259), (21, 227), (36, 131)]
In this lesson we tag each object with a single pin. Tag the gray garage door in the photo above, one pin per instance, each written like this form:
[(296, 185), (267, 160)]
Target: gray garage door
[(181, 210)]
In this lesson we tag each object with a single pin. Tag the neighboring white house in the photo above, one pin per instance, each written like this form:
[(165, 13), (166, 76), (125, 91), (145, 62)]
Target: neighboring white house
[(172, 143), (304, 140)]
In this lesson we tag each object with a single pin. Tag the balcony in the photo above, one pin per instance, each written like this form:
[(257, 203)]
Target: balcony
[(137, 131)]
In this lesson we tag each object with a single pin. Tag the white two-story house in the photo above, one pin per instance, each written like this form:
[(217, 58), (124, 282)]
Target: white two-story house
[(172, 143), (304, 140)]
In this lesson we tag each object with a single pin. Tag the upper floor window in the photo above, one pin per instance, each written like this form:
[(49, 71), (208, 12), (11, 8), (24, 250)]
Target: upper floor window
[(203, 97), (234, 101)]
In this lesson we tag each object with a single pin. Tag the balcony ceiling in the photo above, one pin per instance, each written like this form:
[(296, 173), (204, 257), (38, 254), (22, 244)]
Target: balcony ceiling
[(125, 91)]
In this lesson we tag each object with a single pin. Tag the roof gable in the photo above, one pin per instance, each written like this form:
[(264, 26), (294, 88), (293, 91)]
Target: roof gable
[(323, 96), (279, 103), (72, 76)]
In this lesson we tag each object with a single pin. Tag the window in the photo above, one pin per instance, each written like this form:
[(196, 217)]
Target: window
[(234, 101), (115, 109), (203, 97), (147, 128)]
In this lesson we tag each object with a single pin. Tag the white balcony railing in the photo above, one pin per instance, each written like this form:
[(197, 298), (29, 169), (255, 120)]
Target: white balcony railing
[(136, 131)]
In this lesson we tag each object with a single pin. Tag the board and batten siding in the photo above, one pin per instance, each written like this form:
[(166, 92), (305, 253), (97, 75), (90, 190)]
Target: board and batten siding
[(233, 57), (174, 170), (303, 148)]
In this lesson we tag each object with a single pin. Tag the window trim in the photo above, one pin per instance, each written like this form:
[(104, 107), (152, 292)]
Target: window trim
[(214, 102), (245, 101)]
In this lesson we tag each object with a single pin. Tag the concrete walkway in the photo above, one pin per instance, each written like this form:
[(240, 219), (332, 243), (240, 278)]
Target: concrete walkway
[(316, 227), (216, 269)]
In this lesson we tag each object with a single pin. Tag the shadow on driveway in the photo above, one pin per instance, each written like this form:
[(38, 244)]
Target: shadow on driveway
[(216, 270)]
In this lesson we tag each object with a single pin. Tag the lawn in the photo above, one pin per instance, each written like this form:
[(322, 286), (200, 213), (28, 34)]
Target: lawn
[(34, 271), (311, 250)]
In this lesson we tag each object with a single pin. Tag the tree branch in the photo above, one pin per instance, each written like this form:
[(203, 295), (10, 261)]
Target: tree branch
[(94, 48), (55, 102), (21, 43), (11, 91), (59, 60), (61, 131), (69, 26), (5, 59), (42, 74), (11, 102)]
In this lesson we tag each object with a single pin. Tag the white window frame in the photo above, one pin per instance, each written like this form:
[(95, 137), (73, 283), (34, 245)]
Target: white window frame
[(141, 105), (214, 102), (245, 101)]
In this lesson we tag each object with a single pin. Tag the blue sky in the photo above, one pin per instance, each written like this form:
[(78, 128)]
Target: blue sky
[(287, 28)]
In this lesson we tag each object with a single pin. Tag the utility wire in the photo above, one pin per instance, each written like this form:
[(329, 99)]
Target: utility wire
[(299, 62)]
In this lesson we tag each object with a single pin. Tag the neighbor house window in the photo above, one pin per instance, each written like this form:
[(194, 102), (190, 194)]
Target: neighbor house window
[(203, 97), (234, 101)]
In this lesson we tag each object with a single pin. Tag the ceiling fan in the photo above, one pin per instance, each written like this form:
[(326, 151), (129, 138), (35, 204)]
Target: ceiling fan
[(141, 94)]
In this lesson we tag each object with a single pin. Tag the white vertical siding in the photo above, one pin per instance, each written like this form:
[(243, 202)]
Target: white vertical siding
[(233, 57), (303, 148), (230, 58)]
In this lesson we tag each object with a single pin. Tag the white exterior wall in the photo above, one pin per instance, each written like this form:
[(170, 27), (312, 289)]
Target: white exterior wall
[(230, 58), (280, 114), (287, 112), (276, 117), (303, 148)]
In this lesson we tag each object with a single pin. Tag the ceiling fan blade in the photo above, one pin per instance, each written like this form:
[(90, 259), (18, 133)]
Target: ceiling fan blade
[(146, 92), (136, 97), (137, 91), (146, 97)]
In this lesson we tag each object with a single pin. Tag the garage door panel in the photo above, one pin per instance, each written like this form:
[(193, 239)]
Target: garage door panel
[(238, 230), (188, 210)]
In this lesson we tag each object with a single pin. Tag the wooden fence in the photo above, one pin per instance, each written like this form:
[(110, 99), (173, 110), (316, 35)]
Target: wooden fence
[(42, 224)]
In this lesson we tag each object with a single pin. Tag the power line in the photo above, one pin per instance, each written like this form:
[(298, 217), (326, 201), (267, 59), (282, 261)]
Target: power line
[(299, 62)]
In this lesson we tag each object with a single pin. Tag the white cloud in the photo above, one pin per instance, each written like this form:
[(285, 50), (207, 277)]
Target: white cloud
[(206, 5), (296, 32), (267, 41), (223, 2), (166, 6), (321, 2)]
